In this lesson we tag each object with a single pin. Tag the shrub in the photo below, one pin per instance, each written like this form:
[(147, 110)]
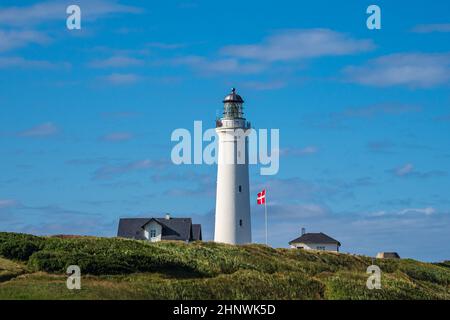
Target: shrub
[(110, 263), (19, 246), (210, 270), (426, 272)]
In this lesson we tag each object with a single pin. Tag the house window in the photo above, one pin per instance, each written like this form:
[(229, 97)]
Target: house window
[(152, 233), (320, 248), (240, 222), (240, 188)]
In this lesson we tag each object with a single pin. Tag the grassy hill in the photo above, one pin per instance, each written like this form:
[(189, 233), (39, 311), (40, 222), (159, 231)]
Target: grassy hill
[(34, 268)]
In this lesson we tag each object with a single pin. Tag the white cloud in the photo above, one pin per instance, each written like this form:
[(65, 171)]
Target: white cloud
[(42, 130), (308, 150), (390, 213), (214, 66), (283, 46), (299, 44), (291, 46), (264, 85), (18, 22), (116, 62), (408, 170), (382, 146), (110, 171), (20, 16), (119, 115), (426, 211), (8, 203), (404, 170), (341, 118), (376, 110), (165, 46), (428, 28), (402, 69), (443, 118), (122, 78), (117, 136), (294, 188), (19, 62), (296, 211), (20, 38)]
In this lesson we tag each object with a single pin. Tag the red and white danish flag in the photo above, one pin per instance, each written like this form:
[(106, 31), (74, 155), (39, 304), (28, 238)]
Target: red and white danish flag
[(261, 197)]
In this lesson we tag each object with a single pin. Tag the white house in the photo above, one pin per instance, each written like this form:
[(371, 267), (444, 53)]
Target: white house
[(315, 241), (157, 229), (388, 255)]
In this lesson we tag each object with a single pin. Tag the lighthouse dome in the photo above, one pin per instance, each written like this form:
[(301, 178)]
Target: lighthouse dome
[(233, 97)]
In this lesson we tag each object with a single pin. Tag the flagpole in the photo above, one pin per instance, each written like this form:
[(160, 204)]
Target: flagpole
[(265, 213)]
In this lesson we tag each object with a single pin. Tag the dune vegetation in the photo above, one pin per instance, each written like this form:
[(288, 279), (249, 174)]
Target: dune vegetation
[(34, 267)]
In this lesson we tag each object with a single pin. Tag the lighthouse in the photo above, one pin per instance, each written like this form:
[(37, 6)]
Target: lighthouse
[(233, 222)]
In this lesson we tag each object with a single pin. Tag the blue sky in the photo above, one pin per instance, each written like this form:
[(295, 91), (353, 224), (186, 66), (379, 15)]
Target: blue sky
[(364, 116)]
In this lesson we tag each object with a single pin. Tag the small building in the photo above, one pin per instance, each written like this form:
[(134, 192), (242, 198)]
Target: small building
[(315, 241), (388, 255), (157, 229)]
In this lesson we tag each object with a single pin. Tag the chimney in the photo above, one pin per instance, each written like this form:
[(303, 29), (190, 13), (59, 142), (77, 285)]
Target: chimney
[(303, 231), (167, 216)]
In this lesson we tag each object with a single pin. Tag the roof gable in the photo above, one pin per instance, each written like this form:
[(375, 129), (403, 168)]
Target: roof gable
[(150, 220)]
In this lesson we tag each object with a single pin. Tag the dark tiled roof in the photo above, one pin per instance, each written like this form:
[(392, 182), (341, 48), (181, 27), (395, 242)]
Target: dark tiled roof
[(131, 228), (172, 229), (196, 232), (315, 238), (176, 228)]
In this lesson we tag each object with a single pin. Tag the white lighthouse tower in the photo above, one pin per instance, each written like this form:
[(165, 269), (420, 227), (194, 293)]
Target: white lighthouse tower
[(233, 224)]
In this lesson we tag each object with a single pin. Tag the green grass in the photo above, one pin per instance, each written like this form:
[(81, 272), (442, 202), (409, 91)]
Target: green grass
[(34, 268), (10, 269)]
